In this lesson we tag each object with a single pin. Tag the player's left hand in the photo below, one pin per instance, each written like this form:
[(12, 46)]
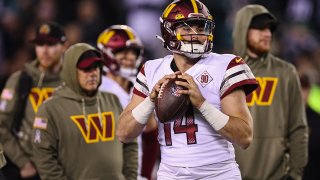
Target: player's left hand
[(193, 91)]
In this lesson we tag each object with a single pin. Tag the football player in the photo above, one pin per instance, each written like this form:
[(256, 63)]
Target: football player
[(123, 56), (199, 144)]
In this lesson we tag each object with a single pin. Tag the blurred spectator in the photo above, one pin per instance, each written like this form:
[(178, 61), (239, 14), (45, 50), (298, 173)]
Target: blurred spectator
[(296, 40), (46, 10), (311, 171), (143, 16), (74, 33), (222, 31), (89, 18), (299, 11)]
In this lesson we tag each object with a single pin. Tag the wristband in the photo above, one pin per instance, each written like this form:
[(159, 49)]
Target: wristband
[(141, 113), (216, 118)]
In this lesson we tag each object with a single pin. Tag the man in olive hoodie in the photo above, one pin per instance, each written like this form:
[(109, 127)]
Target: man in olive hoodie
[(279, 146), (43, 74), (74, 130)]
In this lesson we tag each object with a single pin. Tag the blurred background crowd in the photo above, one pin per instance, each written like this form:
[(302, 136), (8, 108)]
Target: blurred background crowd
[(296, 39)]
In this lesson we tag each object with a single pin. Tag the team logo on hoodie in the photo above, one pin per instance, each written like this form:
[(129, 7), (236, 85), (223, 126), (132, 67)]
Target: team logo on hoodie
[(264, 94), (95, 128), (37, 96)]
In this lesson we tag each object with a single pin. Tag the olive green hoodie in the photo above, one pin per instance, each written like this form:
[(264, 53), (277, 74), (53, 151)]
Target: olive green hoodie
[(74, 135), (19, 149), (279, 146)]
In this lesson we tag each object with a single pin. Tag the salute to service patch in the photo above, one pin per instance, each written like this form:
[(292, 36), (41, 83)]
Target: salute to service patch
[(40, 123), (7, 94)]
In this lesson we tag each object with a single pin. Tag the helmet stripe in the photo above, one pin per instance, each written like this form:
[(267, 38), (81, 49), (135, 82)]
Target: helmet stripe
[(168, 10), (130, 34), (195, 7), (105, 37)]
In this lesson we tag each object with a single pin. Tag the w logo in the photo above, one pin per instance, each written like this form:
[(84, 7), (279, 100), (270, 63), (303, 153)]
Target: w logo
[(93, 129), (37, 96), (264, 94)]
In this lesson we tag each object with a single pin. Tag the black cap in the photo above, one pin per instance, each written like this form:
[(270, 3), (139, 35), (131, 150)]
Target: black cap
[(262, 21), (49, 32)]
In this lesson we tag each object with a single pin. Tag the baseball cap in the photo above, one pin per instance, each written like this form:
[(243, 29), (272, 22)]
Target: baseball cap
[(89, 58), (262, 21), (49, 32)]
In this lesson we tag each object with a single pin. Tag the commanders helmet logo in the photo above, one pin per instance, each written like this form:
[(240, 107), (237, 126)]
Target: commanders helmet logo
[(179, 16)]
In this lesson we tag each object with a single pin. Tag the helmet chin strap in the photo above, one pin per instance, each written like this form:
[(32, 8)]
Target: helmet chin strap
[(192, 56)]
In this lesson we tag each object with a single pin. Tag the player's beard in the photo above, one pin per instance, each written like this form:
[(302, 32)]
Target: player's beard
[(259, 48)]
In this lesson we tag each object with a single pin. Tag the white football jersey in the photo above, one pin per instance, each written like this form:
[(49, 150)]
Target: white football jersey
[(109, 85), (190, 141)]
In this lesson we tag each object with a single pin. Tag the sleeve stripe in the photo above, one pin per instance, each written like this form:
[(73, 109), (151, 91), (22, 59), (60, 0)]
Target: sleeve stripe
[(237, 68), (143, 85), (142, 78), (137, 92), (248, 85), (140, 87), (235, 78), (231, 76)]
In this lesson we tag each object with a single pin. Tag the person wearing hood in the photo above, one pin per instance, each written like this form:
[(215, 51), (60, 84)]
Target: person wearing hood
[(279, 146), (74, 131), (24, 91)]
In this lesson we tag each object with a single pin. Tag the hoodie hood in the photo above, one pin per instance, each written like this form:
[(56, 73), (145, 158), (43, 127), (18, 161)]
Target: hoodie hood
[(69, 70), (242, 22)]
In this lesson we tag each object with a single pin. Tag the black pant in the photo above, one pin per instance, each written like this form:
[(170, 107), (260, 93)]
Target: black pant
[(11, 172)]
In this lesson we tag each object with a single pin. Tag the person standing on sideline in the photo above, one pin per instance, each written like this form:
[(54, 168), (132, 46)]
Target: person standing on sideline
[(123, 56), (24, 91), (199, 144), (279, 146), (74, 130)]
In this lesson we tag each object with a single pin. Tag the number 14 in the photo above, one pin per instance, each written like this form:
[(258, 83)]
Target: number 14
[(190, 128)]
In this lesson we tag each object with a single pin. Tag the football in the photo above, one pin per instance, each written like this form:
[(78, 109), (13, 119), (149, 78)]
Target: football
[(170, 104)]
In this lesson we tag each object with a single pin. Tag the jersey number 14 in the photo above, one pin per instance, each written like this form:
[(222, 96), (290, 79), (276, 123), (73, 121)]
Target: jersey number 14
[(189, 127)]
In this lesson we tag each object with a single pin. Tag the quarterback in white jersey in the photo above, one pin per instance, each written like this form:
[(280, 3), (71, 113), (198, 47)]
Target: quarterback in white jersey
[(216, 76), (199, 144)]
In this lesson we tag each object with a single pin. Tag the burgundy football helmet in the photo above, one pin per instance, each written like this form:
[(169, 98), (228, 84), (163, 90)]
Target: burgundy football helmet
[(186, 13), (115, 39)]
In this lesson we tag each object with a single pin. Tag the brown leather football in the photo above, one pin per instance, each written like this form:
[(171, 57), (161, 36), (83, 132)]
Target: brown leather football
[(169, 104)]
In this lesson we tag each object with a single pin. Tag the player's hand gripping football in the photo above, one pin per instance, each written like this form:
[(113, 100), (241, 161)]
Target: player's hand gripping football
[(193, 91), (155, 91)]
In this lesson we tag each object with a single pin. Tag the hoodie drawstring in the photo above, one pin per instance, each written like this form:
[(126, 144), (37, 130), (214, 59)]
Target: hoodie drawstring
[(99, 109), (41, 79), (85, 113)]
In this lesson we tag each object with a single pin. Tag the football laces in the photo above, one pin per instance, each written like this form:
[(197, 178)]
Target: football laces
[(161, 89)]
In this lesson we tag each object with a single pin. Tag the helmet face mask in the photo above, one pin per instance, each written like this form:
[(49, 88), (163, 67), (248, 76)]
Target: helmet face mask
[(117, 39), (196, 23)]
